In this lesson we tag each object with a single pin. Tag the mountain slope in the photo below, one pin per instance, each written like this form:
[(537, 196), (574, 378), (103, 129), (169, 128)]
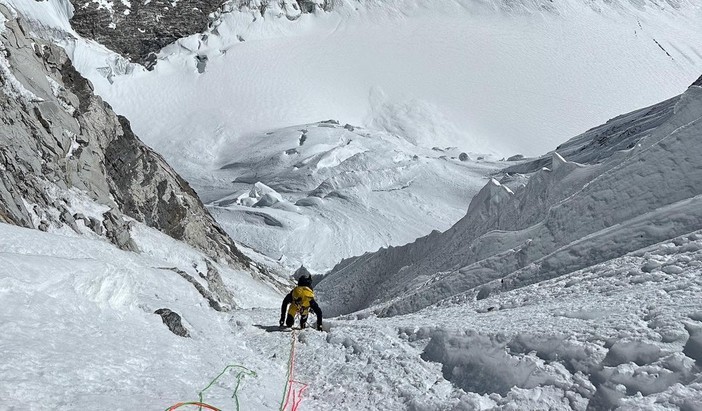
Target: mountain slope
[(515, 76), (140, 29), (564, 219), (79, 324), (515, 81), (70, 164), (80, 333)]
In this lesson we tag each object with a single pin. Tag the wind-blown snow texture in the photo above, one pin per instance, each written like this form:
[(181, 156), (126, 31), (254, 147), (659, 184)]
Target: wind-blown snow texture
[(80, 333)]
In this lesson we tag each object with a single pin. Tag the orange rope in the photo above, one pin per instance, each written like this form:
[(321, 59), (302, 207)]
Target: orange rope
[(199, 404)]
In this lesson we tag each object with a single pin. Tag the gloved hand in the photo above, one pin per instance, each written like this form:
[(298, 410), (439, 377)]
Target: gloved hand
[(281, 322), (319, 327)]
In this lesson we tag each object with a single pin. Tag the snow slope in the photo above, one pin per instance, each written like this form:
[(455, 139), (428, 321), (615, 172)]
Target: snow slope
[(565, 218), (509, 81), (78, 325), (79, 334)]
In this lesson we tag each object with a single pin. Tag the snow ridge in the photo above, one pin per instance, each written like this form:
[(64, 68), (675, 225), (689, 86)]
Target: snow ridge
[(561, 220)]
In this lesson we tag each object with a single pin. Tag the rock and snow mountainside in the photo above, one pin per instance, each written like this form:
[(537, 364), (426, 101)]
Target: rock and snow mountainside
[(565, 218), (139, 29), (79, 333), (518, 76), (79, 329), (69, 163)]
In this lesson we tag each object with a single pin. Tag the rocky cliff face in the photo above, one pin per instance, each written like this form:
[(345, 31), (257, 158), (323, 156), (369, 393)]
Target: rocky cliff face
[(68, 162), (140, 29)]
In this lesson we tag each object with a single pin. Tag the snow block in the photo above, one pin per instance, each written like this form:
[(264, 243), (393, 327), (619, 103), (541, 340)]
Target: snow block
[(638, 352)]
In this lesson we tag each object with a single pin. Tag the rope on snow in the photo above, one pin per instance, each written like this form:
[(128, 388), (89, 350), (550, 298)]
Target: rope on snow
[(293, 389), (239, 376), (292, 396)]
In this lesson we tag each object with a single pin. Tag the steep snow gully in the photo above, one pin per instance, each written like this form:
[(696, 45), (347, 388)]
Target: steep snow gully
[(572, 282)]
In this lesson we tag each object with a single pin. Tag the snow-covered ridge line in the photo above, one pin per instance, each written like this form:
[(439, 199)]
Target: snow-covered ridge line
[(612, 138), (572, 208)]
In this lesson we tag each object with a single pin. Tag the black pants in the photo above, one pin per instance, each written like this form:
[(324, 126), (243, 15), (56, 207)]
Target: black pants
[(290, 320)]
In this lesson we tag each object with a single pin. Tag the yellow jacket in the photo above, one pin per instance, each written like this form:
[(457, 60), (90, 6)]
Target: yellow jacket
[(301, 299)]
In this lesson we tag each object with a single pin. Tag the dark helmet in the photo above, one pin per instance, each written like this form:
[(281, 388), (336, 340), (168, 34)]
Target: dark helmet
[(305, 280)]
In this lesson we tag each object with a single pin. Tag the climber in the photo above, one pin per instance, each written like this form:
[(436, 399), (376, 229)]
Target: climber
[(300, 299)]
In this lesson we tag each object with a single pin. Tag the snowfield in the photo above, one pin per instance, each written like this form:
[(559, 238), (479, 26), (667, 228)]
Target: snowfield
[(507, 81)]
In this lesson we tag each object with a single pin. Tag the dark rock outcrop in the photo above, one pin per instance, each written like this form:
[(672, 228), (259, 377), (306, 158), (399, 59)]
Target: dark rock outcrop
[(139, 30), (173, 322)]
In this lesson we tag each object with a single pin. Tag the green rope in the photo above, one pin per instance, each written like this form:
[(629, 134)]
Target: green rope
[(239, 376)]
